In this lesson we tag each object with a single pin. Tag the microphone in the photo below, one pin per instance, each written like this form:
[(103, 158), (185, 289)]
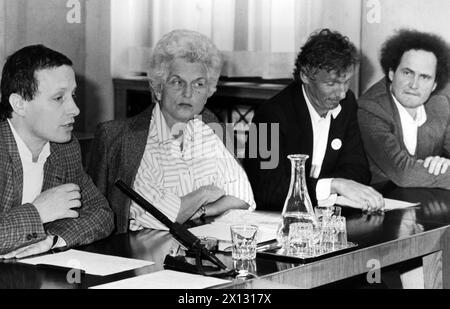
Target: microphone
[(179, 232)]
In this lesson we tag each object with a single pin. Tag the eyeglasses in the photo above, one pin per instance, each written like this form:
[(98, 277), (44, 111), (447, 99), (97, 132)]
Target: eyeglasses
[(179, 84)]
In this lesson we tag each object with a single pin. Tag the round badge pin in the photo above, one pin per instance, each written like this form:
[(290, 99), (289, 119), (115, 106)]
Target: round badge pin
[(336, 144)]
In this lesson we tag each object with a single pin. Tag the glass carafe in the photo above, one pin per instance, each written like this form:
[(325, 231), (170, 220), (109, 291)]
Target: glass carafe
[(297, 206)]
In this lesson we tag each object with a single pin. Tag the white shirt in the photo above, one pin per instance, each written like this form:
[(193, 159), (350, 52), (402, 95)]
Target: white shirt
[(321, 129), (33, 172), (410, 125), (173, 167)]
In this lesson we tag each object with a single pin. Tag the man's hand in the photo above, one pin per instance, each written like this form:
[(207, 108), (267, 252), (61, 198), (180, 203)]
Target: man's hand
[(37, 248), (57, 203), (365, 196), (436, 165)]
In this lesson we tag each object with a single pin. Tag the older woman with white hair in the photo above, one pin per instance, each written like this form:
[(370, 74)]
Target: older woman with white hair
[(168, 153)]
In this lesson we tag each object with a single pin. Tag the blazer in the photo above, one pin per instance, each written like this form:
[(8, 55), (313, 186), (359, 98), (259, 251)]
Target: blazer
[(382, 135), (288, 108), (116, 153), (20, 225)]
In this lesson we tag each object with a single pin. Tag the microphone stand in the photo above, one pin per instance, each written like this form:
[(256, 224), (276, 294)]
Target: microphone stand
[(179, 232)]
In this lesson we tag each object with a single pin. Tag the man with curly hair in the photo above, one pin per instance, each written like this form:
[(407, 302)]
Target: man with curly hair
[(404, 120), (316, 115)]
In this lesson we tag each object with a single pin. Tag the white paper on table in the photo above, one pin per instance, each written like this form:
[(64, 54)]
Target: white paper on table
[(240, 216), (165, 279), (91, 263), (389, 204), (221, 231), (267, 226)]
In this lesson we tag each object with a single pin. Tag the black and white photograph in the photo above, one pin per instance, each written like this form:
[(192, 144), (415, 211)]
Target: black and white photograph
[(224, 151)]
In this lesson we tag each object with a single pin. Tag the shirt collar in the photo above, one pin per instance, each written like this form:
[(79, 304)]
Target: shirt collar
[(160, 129), (159, 126), (314, 114), (421, 115), (24, 152)]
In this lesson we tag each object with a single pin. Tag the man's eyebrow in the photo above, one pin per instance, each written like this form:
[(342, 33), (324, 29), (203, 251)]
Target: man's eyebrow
[(426, 75), (60, 89), (408, 69), (63, 88)]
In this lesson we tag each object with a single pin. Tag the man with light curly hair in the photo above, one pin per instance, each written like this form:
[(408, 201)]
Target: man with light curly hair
[(316, 114), (168, 153)]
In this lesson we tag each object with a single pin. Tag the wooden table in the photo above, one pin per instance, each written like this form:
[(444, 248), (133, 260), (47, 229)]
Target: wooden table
[(399, 235)]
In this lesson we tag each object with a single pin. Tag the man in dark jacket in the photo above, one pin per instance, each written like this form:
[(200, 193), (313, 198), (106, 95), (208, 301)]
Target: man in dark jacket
[(316, 115)]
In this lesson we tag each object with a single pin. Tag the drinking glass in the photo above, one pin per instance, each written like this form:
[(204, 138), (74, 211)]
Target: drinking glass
[(327, 212), (243, 241), (300, 239), (341, 230), (334, 234)]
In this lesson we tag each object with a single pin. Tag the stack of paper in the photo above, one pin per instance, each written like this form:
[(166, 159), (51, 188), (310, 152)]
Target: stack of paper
[(220, 229), (389, 204), (165, 279), (239, 216), (91, 263)]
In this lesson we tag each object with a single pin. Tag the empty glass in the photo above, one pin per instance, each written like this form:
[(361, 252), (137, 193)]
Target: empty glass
[(327, 211), (300, 239), (243, 241), (334, 234), (341, 229)]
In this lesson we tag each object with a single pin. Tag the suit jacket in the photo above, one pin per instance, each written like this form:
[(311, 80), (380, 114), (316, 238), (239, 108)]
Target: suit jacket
[(20, 225), (382, 135), (116, 153), (289, 109)]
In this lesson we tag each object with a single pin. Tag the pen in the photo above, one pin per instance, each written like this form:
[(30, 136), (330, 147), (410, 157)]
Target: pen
[(268, 247)]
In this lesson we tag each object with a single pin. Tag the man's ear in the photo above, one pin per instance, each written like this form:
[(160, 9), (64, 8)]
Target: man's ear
[(211, 91), (304, 77), (391, 75), (17, 104), (434, 86)]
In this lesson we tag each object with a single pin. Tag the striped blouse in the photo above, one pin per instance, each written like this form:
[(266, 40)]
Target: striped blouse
[(173, 167)]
